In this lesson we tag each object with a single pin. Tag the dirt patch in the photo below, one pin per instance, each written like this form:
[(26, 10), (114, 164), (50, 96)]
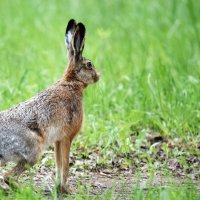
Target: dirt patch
[(122, 184), (121, 181), (158, 163)]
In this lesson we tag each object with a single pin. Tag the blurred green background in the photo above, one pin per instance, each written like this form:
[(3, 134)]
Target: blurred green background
[(148, 54)]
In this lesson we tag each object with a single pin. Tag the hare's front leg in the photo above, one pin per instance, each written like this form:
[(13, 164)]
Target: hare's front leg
[(57, 149), (62, 150)]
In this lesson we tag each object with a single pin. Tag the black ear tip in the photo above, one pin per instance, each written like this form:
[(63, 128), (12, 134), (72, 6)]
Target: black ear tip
[(72, 21), (81, 27), (71, 25)]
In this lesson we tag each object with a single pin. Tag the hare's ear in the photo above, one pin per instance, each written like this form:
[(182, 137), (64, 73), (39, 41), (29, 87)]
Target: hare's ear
[(78, 40), (71, 27)]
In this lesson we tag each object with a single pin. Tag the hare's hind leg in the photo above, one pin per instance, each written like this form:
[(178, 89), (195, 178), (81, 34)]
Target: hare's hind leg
[(2, 161), (28, 156), (14, 174), (11, 177), (3, 186)]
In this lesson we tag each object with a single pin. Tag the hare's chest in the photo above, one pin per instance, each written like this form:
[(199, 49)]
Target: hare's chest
[(53, 134), (73, 114)]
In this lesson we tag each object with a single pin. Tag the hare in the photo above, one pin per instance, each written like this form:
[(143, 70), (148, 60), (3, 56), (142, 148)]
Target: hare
[(54, 116)]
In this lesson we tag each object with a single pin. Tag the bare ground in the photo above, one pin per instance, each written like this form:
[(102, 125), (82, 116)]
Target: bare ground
[(121, 182), (96, 178)]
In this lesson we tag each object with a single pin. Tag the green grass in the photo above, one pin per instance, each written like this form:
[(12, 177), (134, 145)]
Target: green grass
[(153, 193), (148, 53)]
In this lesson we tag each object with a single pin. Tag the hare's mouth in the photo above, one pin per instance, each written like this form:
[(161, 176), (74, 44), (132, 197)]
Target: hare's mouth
[(96, 77)]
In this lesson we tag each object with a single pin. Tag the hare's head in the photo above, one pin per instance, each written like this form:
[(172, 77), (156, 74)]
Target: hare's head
[(80, 68)]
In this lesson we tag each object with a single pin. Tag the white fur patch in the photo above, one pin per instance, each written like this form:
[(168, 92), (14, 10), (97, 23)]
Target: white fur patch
[(53, 134), (68, 38)]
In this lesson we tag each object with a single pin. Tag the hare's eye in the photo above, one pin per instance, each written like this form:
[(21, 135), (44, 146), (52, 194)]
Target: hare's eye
[(89, 65)]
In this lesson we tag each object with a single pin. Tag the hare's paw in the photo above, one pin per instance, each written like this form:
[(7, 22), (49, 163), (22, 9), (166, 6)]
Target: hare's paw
[(66, 189), (11, 182), (3, 186)]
